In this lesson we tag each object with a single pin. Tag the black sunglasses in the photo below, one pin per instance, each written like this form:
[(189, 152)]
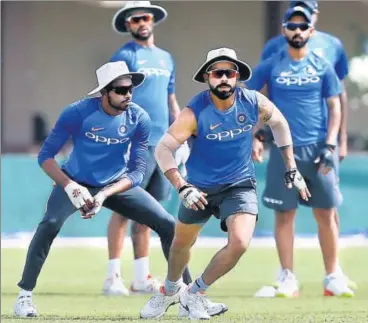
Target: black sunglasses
[(122, 90), (303, 26), (220, 73)]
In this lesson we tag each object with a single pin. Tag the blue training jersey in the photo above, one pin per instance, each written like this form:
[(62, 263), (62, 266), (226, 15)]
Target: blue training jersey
[(100, 143), (323, 44), (221, 151), (152, 95), (299, 89)]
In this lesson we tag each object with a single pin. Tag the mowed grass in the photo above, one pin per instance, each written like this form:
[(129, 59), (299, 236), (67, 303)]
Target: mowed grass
[(69, 288)]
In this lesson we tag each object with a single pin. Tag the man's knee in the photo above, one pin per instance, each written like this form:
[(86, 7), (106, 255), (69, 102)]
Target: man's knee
[(50, 226), (325, 217), (238, 246), (285, 217), (166, 226), (138, 229)]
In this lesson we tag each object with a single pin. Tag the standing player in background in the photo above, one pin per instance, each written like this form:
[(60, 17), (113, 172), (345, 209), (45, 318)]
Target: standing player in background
[(301, 83), (221, 176), (331, 48), (98, 171), (157, 97)]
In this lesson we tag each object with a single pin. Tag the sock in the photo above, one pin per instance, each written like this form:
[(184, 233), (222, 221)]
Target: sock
[(113, 267), (24, 292), (339, 269), (172, 288), (141, 270), (198, 286)]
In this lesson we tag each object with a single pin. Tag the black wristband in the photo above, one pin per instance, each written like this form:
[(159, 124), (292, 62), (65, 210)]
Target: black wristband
[(185, 186)]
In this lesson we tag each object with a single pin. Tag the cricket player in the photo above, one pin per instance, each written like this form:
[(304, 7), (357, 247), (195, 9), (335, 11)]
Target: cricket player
[(221, 177), (157, 97), (306, 89), (331, 48), (98, 172)]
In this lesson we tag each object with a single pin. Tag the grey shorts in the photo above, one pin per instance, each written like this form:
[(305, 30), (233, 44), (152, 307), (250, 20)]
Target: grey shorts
[(323, 188), (224, 201), (154, 181)]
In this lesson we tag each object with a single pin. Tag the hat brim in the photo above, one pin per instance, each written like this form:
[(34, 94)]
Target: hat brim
[(137, 80), (245, 72), (118, 21)]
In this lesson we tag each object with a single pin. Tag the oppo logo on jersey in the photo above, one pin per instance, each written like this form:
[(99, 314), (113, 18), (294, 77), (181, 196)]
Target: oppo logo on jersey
[(154, 71), (297, 80), (105, 140), (229, 134)]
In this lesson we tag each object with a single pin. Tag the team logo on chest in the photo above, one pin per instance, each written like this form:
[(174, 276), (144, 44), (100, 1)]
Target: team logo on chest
[(122, 130), (241, 118)]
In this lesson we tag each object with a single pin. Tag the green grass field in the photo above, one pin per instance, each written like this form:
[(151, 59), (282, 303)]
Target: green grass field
[(69, 288)]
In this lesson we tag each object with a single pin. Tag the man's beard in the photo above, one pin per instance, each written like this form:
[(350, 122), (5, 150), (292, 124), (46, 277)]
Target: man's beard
[(222, 95), (137, 36), (115, 106), (297, 44)]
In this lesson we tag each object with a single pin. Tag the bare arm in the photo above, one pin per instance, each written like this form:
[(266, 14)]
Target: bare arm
[(51, 168), (270, 115), (183, 127), (173, 106), (334, 120), (343, 139)]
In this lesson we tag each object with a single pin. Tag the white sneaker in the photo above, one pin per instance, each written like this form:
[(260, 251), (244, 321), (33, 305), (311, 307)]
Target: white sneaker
[(158, 304), (194, 304), (114, 286), (212, 308), (337, 286), (287, 285), (148, 286), (24, 307)]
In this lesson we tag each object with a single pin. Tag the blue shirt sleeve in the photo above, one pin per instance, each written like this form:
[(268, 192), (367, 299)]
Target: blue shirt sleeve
[(125, 55), (267, 50), (69, 123), (260, 76), (138, 151), (331, 85), (171, 86), (342, 65)]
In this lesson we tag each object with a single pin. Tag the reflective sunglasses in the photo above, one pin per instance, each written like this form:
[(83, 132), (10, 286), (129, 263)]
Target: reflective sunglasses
[(303, 26), (219, 73), (122, 90), (147, 17)]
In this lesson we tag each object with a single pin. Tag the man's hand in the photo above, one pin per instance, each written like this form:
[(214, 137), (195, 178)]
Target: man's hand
[(343, 149), (99, 198), (294, 178), (192, 197), (79, 196), (325, 160), (257, 150)]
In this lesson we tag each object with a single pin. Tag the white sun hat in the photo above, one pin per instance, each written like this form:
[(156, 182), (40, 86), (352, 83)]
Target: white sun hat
[(223, 55), (119, 19), (113, 70)]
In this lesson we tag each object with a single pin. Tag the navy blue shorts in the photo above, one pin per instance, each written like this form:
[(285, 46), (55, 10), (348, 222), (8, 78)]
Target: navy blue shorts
[(223, 201), (323, 188)]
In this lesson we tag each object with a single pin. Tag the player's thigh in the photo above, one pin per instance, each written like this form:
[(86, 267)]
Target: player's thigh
[(190, 216), (240, 227), (58, 206), (276, 195), (138, 205), (324, 189), (159, 186), (240, 199)]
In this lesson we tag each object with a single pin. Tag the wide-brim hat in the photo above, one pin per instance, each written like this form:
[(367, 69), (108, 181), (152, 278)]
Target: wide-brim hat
[(113, 70), (223, 55), (119, 19)]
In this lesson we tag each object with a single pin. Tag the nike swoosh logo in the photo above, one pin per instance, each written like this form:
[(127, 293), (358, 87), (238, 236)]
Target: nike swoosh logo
[(212, 127), (97, 129)]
